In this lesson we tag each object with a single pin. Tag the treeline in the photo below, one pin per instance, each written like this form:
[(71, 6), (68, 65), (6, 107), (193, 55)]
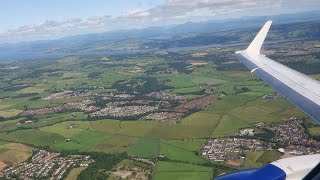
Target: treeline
[(123, 118), (9, 118), (16, 88), (181, 67), (32, 95)]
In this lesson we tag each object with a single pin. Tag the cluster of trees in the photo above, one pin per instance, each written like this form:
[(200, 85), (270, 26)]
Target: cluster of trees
[(100, 102), (142, 85), (103, 163), (155, 69), (267, 135), (240, 89), (181, 66), (94, 75)]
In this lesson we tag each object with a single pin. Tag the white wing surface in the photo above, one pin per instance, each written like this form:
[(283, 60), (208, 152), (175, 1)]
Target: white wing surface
[(299, 89)]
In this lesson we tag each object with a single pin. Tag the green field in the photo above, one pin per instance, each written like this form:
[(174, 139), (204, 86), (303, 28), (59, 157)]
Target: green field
[(109, 126), (257, 159), (116, 143), (182, 150), (198, 125), (33, 89), (145, 147), (74, 173), (136, 128), (268, 157), (33, 137), (228, 103), (14, 153), (188, 90), (249, 113), (315, 131), (174, 170), (67, 129), (128, 128), (84, 141), (251, 159), (182, 175), (188, 144), (9, 112), (228, 126), (176, 153)]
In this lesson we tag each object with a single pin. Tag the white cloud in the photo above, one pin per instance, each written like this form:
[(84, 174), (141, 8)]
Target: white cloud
[(172, 11), (135, 14)]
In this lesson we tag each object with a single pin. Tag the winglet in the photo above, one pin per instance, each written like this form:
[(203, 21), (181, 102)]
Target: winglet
[(256, 44)]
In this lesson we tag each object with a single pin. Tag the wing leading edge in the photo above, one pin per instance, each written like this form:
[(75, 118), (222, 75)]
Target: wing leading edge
[(299, 89)]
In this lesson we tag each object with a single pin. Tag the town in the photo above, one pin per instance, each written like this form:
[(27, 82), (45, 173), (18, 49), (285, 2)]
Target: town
[(220, 149), (44, 165), (157, 106), (288, 134), (291, 133)]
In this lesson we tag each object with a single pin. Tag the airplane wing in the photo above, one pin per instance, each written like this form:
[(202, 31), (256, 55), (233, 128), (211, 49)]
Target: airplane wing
[(299, 89), (294, 168)]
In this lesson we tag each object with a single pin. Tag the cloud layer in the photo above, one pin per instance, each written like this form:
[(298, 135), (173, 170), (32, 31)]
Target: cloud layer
[(172, 11)]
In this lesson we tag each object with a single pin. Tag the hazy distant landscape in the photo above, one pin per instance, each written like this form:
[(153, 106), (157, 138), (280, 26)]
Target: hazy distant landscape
[(189, 35), (147, 104)]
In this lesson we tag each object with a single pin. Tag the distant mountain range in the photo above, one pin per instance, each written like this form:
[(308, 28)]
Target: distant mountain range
[(109, 42)]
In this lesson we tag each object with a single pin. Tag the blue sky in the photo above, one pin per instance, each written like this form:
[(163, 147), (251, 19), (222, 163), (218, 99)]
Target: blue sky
[(22, 20), (15, 13)]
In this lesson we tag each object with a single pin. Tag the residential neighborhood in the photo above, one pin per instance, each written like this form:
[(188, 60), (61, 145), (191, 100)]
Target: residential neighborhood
[(218, 149), (292, 133), (68, 94), (123, 111), (44, 165), (245, 132), (158, 106), (289, 134)]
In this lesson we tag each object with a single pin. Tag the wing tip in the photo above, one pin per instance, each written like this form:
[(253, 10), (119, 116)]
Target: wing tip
[(269, 22), (256, 44)]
